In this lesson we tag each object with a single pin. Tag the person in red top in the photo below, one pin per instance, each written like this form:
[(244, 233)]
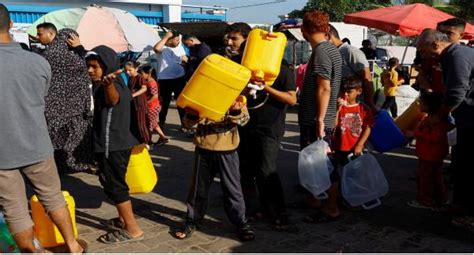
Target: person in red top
[(353, 124), (431, 149), (154, 106)]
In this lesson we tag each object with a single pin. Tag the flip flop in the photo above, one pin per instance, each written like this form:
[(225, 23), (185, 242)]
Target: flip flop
[(418, 205), (162, 141), (246, 233), (186, 232), (321, 217), (120, 236), (114, 223)]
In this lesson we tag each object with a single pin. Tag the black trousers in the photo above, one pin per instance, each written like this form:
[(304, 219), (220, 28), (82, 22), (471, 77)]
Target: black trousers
[(112, 170), (206, 165), (258, 153), (167, 87), (463, 175), (391, 103)]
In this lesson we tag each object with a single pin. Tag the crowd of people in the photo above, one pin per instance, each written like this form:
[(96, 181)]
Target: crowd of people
[(69, 109)]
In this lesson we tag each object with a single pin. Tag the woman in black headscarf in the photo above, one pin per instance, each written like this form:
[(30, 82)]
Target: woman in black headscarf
[(68, 105)]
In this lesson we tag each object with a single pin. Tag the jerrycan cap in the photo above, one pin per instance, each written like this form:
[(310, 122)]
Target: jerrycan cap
[(242, 98), (258, 75)]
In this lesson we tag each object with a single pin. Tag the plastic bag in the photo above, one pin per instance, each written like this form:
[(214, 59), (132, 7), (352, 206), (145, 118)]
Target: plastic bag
[(452, 137), (7, 244), (363, 181), (314, 168)]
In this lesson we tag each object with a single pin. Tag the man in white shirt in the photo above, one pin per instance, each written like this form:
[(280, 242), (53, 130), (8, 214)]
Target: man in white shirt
[(170, 72)]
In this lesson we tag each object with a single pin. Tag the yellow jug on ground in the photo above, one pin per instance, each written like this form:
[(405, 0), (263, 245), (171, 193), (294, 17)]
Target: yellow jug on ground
[(263, 54), (141, 175), (410, 118), (45, 230), (214, 86)]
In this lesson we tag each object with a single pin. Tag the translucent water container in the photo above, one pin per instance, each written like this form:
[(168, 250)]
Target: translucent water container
[(141, 175), (385, 134), (314, 168), (263, 54), (363, 182), (214, 86), (45, 230)]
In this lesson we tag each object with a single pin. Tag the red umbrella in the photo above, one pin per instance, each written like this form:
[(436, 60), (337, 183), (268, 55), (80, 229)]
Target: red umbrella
[(405, 20)]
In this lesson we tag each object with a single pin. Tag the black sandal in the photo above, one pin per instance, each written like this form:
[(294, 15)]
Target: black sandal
[(120, 236), (246, 233), (186, 232), (321, 217), (115, 224)]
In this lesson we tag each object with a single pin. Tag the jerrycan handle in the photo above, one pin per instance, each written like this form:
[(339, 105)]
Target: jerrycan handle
[(258, 75), (270, 33), (351, 155), (322, 196), (376, 202), (253, 89)]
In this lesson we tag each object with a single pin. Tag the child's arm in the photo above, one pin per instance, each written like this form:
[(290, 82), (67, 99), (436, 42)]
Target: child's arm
[(360, 145), (153, 98), (367, 122), (140, 91), (112, 96)]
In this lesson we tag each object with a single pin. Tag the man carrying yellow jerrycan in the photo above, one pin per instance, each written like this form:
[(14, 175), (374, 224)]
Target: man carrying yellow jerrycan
[(218, 113), (216, 140), (113, 141)]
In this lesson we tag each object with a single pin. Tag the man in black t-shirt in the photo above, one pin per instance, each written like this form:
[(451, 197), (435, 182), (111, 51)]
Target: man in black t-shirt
[(260, 141), (260, 145), (198, 52), (369, 52)]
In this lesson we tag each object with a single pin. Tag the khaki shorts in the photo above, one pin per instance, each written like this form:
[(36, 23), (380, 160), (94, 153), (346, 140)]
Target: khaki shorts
[(46, 184)]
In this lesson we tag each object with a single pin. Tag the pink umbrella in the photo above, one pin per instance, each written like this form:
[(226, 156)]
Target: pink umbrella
[(97, 25)]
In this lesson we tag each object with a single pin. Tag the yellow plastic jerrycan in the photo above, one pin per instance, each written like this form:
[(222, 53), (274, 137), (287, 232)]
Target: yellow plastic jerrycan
[(141, 176), (214, 86), (409, 119), (45, 230), (263, 54)]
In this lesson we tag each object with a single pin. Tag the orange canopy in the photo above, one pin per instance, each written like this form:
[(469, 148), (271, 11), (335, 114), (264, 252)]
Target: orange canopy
[(404, 20)]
